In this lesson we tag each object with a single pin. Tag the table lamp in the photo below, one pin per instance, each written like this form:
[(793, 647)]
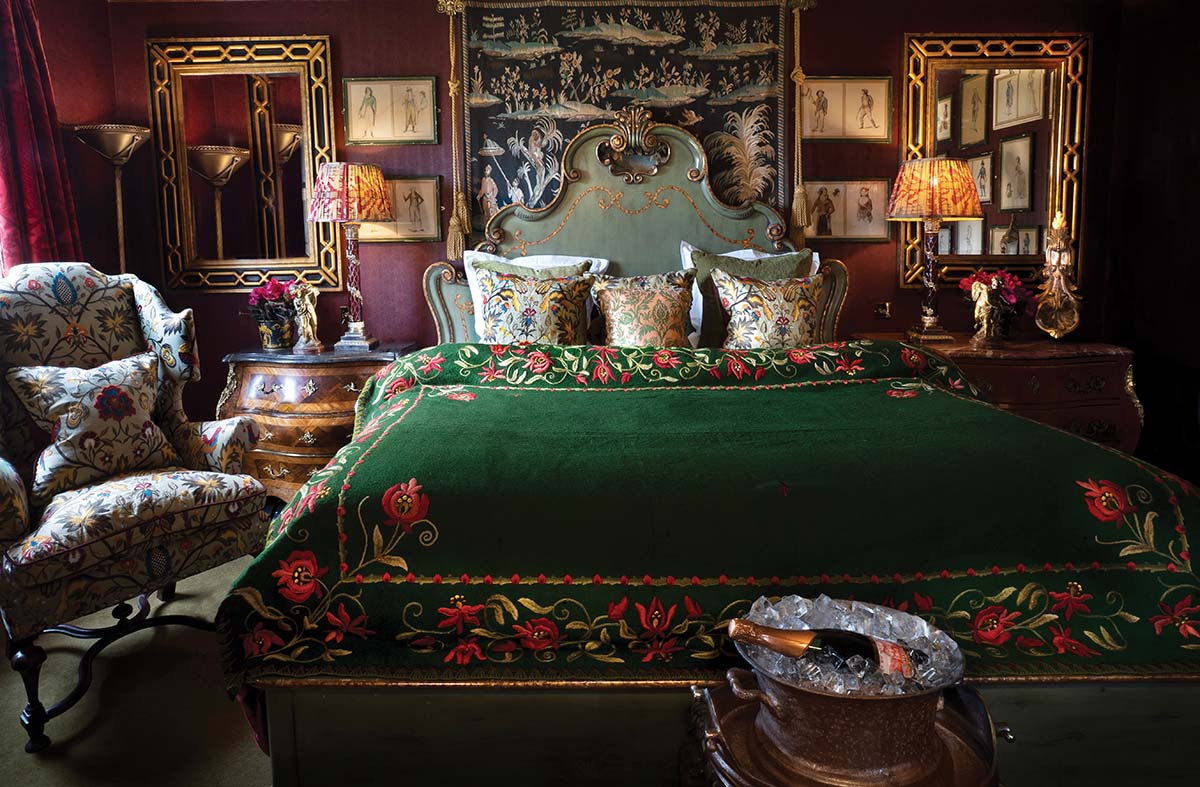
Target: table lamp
[(933, 190), (349, 194)]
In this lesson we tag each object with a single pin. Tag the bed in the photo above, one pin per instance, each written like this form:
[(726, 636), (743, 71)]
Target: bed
[(556, 534)]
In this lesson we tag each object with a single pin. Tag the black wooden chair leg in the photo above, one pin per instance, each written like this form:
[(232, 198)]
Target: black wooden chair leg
[(166, 592), (27, 659)]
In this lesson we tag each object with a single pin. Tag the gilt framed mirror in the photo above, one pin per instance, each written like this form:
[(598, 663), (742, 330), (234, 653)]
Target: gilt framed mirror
[(240, 127), (1018, 114)]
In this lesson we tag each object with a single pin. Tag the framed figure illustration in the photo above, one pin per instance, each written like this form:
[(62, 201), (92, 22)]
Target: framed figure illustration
[(417, 207), (945, 237), (1018, 96), (997, 243), (848, 209), (1016, 173), (390, 110), (944, 107), (972, 109), (857, 109), (1027, 240), (981, 171), (968, 236)]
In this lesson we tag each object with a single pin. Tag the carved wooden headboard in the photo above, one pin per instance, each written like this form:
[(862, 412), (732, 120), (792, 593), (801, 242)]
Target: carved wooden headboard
[(633, 189)]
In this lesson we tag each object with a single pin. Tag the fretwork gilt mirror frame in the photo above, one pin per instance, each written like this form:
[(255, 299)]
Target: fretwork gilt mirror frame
[(1067, 57), (169, 60)]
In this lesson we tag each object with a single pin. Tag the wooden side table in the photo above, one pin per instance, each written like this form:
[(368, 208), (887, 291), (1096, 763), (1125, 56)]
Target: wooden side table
[(303, 406), (1085, 388)]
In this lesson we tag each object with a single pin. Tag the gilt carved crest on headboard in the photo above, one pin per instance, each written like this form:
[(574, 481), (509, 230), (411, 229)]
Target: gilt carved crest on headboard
[(633, 151)]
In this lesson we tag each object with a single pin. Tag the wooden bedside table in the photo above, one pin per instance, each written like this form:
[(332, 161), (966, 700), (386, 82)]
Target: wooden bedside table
[(303, 406), (1082, 387)]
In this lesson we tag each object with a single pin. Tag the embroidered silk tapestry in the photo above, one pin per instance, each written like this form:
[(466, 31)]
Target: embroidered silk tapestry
[(536, 73)]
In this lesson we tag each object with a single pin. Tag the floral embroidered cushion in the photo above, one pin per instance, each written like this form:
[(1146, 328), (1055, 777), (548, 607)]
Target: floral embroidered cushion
[(518, 310), (646, 311), (768, 314), (773, 268), (521, 266), (100, 421)]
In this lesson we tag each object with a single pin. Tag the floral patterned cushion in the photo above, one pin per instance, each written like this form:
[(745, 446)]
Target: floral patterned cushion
[(769, 268), (768, 314), (14, 504), (84, 528), (518, 310), (101, 421), (646, 311)]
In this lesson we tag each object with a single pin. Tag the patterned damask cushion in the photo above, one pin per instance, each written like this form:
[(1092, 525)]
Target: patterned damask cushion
[(100, 420), (646, 311), (518, 310), (770, 268), (768, 314), (87, 527)]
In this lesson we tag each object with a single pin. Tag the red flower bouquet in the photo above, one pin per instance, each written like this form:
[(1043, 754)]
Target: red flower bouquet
[(1011, 294), (273, 305)]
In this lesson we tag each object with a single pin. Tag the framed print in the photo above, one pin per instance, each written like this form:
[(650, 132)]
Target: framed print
[(854, 109), (417, 207), (1025, 242), (981, 170), (1018, 96), (944, 107), (849, 209), (972, 109), (945, 236), (968, 236), (1016, 173), (390, 110)]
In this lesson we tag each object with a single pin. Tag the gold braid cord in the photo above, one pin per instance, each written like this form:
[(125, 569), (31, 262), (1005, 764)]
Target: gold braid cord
[(799, 196), (460, 216)]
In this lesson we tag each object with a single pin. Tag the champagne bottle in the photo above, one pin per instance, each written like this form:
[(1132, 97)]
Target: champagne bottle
[(829, 645)]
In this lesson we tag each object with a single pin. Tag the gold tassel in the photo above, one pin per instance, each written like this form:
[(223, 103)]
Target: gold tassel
[(799, 208), (456, 238)]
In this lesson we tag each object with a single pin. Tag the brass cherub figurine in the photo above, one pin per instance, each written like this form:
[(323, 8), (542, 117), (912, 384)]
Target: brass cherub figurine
[(305, 302)]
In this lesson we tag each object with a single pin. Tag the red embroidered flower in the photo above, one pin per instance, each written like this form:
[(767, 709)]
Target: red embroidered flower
[(992, 624), (461, 396), (491, 373), (890, 601), (850, 366), (538, 362), (616, 610), (1029, 642), (913, 359), (464, 651), (662, 649), (343, 625), (1178, 616), (260, 640), (299, 576), (655, 620), (736, 367), (665, 359), (1063, 643), (924, 603), (693, 609), (1105, 500), (1072, 601), (399, 385), (499, 349), (906, 393), (459, 614), (433, 364), (311, 495), (603, 372), (113, 404), (538, 634), (798, 355), (405, 504)]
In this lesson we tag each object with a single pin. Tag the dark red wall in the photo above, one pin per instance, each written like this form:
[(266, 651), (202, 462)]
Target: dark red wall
[(97, 58)]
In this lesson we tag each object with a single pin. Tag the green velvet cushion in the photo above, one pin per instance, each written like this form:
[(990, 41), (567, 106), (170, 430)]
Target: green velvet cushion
[(784, 266)]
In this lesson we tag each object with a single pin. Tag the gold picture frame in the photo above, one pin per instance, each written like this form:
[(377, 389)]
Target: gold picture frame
[(384, 104), (418, 218), (846, 101)]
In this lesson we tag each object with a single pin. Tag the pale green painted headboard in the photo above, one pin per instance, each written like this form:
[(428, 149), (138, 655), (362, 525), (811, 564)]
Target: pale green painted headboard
[(632, 190)]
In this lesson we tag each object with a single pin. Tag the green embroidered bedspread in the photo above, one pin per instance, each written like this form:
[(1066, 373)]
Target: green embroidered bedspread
[(596, 513)]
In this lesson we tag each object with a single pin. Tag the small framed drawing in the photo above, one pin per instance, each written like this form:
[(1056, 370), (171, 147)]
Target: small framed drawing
[(1027, 241), (968, 236), (944, 240), (944, 106), (1018, 96), (1024, 241), (981, 170), (1016, 173), (417, 206), (849, 209), (972, 109), (390, 110), (853, 109)]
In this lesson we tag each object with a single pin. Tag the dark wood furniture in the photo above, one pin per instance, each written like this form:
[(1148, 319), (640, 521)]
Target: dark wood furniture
[(1085, 388), (303, 406)]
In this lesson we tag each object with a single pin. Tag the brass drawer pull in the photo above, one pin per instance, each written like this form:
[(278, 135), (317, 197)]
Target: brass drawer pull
[(280, 473), (309, 388), (308, 438), (267, 435), (352, 387), (265, 391)]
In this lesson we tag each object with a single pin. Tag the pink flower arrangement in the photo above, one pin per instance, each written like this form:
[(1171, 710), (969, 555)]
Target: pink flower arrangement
[(273, 300), (1019, 298)]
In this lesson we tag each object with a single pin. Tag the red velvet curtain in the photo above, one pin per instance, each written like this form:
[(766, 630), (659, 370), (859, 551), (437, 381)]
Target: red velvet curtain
[(37, 213)]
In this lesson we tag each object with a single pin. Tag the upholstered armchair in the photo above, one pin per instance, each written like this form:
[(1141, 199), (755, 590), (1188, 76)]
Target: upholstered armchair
[(122, 537)]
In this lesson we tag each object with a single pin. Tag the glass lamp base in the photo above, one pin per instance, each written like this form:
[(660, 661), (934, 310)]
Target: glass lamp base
[(355, 339)]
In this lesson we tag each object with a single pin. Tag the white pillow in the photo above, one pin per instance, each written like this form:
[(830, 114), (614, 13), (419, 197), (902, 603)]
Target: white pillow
[(535, 262), (696, 315)]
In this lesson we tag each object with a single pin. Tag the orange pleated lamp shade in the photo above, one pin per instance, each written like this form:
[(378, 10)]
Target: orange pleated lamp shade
[(934, 188), (345, 192)]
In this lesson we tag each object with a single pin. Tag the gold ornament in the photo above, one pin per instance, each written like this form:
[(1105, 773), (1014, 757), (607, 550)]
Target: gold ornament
[(1058, 305)]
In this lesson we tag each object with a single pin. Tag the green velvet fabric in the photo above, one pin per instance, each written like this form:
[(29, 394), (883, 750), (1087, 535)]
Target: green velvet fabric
[(784, 266), (599, 513)]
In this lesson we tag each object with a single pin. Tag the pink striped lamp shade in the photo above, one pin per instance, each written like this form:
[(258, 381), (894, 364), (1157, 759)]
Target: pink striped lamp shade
[(349, 193), (934, 188)]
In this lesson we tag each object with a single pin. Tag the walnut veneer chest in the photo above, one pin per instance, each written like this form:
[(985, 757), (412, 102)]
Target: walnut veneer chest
[(1082, 387), (303, 406)]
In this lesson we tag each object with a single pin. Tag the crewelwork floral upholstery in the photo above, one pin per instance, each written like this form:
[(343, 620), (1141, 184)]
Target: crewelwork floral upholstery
[(92, 547)]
